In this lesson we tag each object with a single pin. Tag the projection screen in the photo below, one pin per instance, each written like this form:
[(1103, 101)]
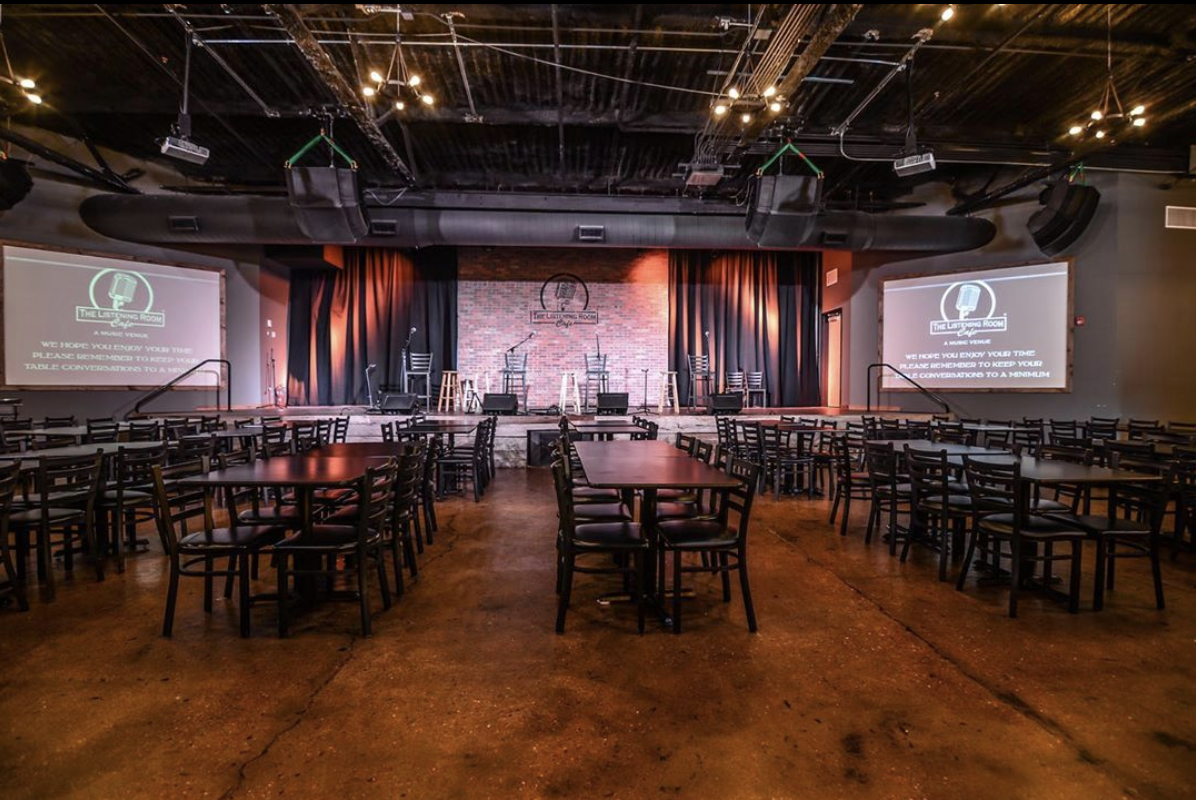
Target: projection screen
[(74, 320), (996, 329)]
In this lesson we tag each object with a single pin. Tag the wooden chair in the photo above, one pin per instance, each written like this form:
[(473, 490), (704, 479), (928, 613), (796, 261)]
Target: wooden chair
[(10, 477)]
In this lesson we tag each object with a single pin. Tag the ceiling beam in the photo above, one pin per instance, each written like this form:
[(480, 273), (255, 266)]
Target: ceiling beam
[(346, 96)]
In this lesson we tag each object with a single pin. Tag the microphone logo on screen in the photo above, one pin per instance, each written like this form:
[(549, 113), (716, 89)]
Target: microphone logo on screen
[(967, 300), (122, 289), (121, 299), (967, 309)]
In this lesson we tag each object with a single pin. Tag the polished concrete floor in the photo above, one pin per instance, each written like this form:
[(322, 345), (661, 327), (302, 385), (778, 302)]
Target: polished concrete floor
[(868, 678)]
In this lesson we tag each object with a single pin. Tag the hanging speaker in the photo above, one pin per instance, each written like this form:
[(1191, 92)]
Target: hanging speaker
[(1067, 211), (781, 209), (326, 203), (15, 182)]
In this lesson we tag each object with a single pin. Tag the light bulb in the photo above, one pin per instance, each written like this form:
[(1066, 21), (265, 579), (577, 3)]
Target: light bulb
[(26, 83), (413, 80), (1139, 122), (774, 106), (1075, 130), (427, 99), (1100, 134), (746, 118), (1136, 111), (770, 91), (400, 105), (376, 76), (947, 14), (733, 92), (36, 99), (719, 110), (1096, 115), (368, 91)]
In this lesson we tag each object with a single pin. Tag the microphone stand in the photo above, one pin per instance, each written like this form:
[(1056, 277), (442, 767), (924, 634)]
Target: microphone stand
[(512, 348), (369, 389), (273, 382), (403, 365)]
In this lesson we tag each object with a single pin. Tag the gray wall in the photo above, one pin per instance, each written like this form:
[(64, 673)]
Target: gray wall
[(1135, 282), (49, 216)]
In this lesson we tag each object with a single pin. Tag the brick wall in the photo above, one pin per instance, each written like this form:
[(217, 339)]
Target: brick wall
[(500, 287)]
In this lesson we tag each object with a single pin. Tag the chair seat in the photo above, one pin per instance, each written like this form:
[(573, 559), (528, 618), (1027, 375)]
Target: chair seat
[(609, 536), (669, 511), (1035, 527), (33, 516), (55, 498), (588, 494), (601, 512), (270, 514), (955, 502), (333, 494), (903, 490), (324, 537), (110, 496), (697, 534), (1099, 524), (226, 538), (672, 495)]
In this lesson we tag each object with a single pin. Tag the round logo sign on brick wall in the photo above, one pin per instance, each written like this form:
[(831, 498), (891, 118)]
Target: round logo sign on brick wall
[(564, 302)]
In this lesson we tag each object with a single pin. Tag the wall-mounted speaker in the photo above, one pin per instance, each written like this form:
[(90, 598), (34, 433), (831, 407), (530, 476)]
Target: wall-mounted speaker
[(326, 203), (1067, 211), (726, 403), (612, 404), (781, 208), (498, 403)]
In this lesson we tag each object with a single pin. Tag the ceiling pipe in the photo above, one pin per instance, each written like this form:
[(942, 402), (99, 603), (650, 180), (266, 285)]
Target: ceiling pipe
[(192, 220)]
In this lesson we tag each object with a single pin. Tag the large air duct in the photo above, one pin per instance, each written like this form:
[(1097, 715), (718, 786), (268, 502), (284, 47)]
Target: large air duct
[(192, 220)]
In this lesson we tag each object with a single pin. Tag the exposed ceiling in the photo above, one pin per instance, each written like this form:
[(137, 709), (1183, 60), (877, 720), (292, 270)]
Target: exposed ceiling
[(629, 104)]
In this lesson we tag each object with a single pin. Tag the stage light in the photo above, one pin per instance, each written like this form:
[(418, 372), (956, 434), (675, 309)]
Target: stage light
[(733, 93), (376, 76)]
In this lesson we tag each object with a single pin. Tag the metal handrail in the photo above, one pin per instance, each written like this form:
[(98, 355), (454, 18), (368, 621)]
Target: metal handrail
[(931, 395), (161, 390)]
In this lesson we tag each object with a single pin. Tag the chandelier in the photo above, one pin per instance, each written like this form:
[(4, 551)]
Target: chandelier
[(1110, 117)]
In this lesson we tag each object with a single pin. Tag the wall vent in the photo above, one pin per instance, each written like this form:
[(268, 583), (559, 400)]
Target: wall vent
[(1181, 217), (591, 233), (182, 224), (384, 227)]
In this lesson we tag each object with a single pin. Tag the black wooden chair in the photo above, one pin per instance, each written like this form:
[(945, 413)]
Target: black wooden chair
[(346, 545), (10, 478), (575, 539), (723, 542), (1002, 519), (128, 497), (890, 491), (936, 508), (851, 481)]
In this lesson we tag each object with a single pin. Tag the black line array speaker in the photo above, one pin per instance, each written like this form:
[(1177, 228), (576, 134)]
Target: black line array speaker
[(781, 209), (612, 403), (726, 403), (326, 203), (498, 403), (1068, 208), (399, 403)]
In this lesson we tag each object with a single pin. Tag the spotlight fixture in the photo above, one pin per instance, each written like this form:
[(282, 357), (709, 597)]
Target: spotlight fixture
[(1110, 118), (178, 144)]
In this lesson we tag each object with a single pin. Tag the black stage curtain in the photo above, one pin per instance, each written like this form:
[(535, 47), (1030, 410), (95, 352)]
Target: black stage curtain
[(761, 309), (341, 321)]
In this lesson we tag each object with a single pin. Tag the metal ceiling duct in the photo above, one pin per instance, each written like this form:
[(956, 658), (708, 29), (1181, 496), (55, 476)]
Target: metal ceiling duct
[(268, 220)]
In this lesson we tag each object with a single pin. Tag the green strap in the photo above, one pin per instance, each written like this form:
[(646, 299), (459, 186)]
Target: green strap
[(787, 149), (321, 137), (1077, 172)]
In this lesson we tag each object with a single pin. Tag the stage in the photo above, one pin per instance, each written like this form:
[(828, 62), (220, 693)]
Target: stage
[(519, 434)]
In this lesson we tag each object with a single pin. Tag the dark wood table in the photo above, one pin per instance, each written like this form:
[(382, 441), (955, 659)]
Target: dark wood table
[(951, 448), (445, 427), (606, 431), (782, 425), (29, 458), (358, 450)]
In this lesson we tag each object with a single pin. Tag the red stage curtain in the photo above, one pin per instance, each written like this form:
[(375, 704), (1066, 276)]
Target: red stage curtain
[(341, 321), (761, 309)]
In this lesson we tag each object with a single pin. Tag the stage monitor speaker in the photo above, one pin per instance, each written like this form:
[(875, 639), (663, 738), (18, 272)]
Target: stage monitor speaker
[(497, 403), (1068, 209), (612, 404), (326, 203), (782, 208), (15, 182), (541, 446), (399, 403), (726, 403)]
